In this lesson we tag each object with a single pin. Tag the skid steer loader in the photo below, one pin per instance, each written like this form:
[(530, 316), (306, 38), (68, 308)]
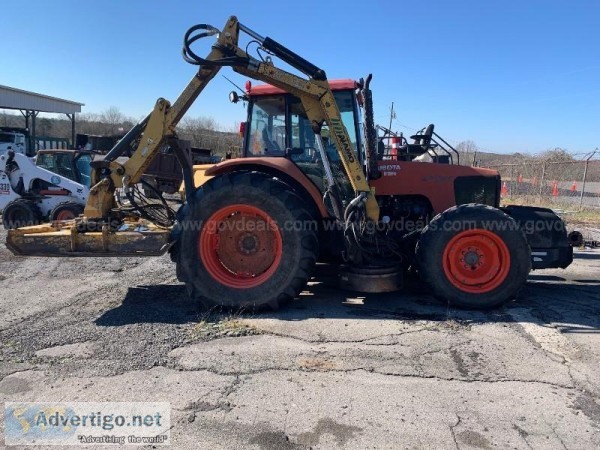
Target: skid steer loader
[(251, 229), (30, 193)]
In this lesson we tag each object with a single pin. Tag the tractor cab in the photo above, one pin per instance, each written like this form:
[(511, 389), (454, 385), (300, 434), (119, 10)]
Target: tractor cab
[(71, 164), (277, 122), (277, 126)]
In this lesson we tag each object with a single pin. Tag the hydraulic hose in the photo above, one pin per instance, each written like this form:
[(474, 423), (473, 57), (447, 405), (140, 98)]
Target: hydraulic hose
[(353, 204), (203, 30)]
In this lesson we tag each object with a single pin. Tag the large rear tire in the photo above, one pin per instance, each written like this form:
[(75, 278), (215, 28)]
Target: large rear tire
[(245, 242), (474, 256), (20, 213)]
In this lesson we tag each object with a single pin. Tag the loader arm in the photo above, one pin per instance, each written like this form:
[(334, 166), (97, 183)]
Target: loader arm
[(315, 95), (155, 130), (106, 230)]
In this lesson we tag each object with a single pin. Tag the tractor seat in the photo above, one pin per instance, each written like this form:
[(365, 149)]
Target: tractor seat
[(422, 144), (425, 137), (271, 145), (410, 151)]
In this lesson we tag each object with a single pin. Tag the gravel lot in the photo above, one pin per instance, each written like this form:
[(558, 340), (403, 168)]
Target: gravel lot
[(331, 370)]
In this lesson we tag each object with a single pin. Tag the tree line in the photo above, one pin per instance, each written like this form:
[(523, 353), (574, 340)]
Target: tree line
[(202, 132)]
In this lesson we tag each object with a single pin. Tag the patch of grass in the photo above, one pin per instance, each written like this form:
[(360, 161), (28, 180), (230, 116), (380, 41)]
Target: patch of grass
[(586, 217), (450, 324), (219, 325), (456, 325), (8, 344), (318, 364), (570, 210)]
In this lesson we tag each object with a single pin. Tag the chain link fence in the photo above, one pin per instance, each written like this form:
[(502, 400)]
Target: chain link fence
[(568, 185)]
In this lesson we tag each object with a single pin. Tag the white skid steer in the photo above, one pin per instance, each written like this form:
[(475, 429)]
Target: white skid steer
[(30, 194)]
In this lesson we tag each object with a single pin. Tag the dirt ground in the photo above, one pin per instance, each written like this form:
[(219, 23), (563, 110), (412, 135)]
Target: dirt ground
[(331, 370)]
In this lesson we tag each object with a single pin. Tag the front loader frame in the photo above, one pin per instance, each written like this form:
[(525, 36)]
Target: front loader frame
[(105, 230)]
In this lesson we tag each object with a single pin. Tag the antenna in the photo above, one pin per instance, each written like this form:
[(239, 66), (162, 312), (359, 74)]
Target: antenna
[(239, 88), (392, 115)]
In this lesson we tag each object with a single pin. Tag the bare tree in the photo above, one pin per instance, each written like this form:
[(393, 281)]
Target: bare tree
[(44, 127), (203, 132), (557, 155), (199, 130), (89, 123), (113, 119), (12, 120), (468, 150)]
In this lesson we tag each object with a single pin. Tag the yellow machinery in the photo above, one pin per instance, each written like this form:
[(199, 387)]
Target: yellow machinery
[(104, 229), (250, 235)]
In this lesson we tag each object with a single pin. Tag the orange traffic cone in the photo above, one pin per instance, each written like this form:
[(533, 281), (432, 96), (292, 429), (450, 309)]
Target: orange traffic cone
[(504, 190), (555, 189), (574, 187)]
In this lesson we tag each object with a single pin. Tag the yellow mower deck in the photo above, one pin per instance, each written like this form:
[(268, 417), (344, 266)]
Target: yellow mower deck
[(63, 239)]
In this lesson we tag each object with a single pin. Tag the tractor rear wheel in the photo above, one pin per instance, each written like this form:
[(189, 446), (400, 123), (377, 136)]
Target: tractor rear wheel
[(20, 213), (245, 242), (66, 211), (474, 256)]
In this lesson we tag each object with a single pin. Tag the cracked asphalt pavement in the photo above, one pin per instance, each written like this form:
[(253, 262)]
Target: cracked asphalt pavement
[(333, 369)]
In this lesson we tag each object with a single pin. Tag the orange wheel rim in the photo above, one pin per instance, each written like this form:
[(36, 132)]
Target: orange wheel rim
[(476, 261), (240, 246), (65, 215)]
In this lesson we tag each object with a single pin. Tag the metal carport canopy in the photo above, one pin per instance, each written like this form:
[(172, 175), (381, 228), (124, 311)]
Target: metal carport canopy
[(13, 98), (31, 104)]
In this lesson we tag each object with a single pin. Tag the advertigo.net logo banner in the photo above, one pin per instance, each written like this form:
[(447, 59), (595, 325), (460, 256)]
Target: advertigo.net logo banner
[(86, 423)]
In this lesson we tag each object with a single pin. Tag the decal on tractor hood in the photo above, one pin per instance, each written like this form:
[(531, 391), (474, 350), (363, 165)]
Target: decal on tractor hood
[(389, 170)]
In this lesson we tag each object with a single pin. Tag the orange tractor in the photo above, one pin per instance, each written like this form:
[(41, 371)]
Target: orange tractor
[(314, 184)]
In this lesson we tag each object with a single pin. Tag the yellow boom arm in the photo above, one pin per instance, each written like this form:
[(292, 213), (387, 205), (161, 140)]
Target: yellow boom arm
[(95, 234), (315, 95)]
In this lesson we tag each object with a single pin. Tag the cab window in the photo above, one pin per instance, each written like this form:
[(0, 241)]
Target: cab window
[(59, 163), (82, 163), (268, 131), (7, 138), (63, 166), (303, 137), (267, 127), (46, 161)]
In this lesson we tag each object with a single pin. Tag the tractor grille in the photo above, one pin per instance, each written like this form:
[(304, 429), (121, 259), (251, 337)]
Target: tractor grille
[(477, 189)]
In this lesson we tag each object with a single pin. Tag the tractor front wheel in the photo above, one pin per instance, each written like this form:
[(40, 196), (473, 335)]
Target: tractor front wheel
[(245, 241), (474, 256)]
